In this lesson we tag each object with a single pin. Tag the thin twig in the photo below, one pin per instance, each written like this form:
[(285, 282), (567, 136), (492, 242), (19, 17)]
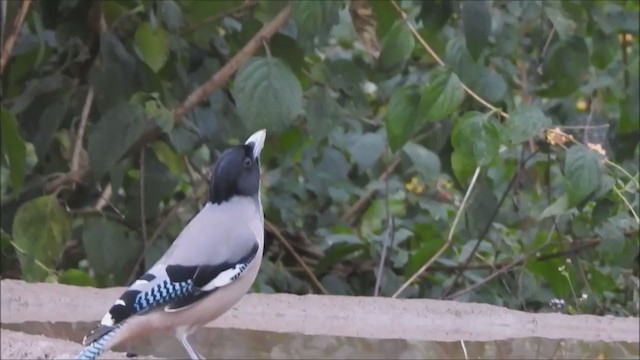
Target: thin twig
[(386, 244), (389, 234), (363, 202), (272, 228), (489, 223), (63, 180), (583, 126), (547, 43), (221, 77), (7, 48), (91, 212), (247, 5), (143, 214), (75, 158), (508, 267), (105, 198), (433, 54), (626, 202), (449, 237)]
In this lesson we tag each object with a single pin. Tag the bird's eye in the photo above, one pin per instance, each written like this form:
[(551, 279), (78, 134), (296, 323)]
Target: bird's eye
[(247, 162)]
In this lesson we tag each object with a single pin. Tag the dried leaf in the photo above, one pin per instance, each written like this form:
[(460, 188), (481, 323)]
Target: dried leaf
[(365, 24)]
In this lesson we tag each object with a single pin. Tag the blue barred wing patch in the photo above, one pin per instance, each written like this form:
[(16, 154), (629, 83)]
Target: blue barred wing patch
[(161, 294)]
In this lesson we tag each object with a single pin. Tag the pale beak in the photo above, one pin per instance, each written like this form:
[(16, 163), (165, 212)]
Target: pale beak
[(257, 140)]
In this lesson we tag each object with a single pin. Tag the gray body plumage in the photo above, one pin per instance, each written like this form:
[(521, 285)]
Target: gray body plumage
[(208, 268)]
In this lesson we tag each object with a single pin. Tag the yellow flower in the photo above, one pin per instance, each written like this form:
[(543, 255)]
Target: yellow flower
[(555, 136), (415, 186)]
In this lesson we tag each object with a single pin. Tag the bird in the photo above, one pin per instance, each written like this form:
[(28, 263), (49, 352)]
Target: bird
[(207, 269)]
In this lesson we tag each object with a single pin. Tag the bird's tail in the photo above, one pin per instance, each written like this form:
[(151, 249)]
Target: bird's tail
[(99, 345)]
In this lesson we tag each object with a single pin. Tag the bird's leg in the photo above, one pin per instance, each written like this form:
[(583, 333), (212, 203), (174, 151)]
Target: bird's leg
[(130, 353), (193, 355)]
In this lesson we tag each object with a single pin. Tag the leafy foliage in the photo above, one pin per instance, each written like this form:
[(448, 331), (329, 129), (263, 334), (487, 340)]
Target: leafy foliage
[(379, 113)]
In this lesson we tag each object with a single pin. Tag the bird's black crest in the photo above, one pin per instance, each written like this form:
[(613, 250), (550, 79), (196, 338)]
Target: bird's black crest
[(237, 173)]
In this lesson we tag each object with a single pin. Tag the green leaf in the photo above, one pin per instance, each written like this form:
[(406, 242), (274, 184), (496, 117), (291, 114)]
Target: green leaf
[(563, 25), (442, 95), (401, 117), (14, 150), (630, 108), (425, 161), (463, 166), (113, 77), (396, 46), (314, 19), (583, 174), (76, 277), (476, 18), (110, 247), (492, 86), (288, 49), (170, 14), (385, 16), (116, 131), (152, 45), (167, 156), (564, 70), (333, 163), (267, 94), (559, 207), (162, 116), (524, 123), (427, 247), (49, 121), (335, 285), (605, 48), (40, 229), (476, 141), (434, 14), (612, 238), (547, 271), (599, 281), (321, 111), (336, 253), (367, 149)]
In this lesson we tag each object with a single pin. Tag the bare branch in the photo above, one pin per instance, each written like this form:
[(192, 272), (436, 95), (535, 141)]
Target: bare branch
[(272, 228), (220, 78), (7, 49), (75, 158), (217, 80), (506, 268)]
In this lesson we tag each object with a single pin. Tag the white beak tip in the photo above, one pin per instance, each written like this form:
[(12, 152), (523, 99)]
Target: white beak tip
[(257, 139)]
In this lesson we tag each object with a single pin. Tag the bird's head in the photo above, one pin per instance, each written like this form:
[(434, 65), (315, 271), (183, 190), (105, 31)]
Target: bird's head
[(237, 172)]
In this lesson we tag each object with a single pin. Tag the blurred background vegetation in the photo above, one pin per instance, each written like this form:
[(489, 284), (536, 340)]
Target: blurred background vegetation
[(480, 151)]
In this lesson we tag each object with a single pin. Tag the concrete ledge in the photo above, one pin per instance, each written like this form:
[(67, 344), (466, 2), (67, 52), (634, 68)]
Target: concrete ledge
[(18, 345), (379, 318)]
